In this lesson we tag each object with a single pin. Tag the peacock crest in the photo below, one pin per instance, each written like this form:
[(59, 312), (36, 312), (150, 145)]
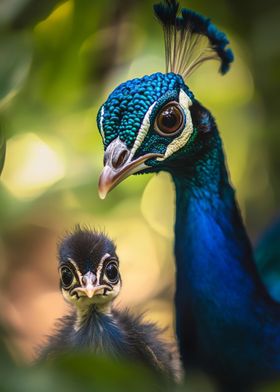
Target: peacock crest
[(190, 40)]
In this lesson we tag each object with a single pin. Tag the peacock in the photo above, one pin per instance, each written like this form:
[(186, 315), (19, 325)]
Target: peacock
[(227, 323), (90, 281)]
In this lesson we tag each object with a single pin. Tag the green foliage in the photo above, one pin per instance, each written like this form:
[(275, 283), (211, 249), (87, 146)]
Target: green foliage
[(20, 14), (2, 150), (78, 371), (16, 50)]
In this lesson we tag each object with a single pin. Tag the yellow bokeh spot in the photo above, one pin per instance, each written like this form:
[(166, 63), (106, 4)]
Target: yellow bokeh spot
[(158, 204), (60, 14), (31, 166), (234, 89), (146, 65)]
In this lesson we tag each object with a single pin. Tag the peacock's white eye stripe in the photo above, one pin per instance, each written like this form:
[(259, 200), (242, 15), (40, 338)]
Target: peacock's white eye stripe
[(183, 138), (145, 126), (101, 123)]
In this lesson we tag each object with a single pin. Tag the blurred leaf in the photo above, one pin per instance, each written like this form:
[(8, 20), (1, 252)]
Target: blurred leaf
[(24, 13), (103, 374), (16, 50), (9, 10), (80, 371), (5, 359), (273, 387), (2, 150), (34, 12)]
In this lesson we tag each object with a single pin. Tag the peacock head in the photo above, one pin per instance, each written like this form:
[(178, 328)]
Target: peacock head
[(144, 123), (149, 123), (88, 268)]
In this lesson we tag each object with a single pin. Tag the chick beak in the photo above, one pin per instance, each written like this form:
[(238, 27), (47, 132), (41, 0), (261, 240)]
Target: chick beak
[(89, 284), (89, 291), (118, 166)]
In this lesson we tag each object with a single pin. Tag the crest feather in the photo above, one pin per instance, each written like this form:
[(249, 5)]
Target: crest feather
[(190, 40)]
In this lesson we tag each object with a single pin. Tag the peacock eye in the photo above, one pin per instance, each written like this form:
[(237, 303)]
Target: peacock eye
[(67, 277), (112, 272), (170, 119)]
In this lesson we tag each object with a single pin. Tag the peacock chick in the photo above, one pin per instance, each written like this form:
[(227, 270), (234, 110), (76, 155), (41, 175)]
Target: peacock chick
[(90, 281)]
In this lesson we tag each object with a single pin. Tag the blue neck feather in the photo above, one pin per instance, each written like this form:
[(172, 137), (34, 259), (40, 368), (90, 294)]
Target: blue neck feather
[(101, 333), (225, 318)]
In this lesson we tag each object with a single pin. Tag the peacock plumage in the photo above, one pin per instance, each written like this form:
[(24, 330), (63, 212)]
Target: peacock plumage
[(227, 323), (90, 281)]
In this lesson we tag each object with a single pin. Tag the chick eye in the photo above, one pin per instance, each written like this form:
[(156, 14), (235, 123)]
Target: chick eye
[(67, 277), (170, 119), (112, 272)]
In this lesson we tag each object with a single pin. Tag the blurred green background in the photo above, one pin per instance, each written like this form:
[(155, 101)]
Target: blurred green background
[(59, 60)]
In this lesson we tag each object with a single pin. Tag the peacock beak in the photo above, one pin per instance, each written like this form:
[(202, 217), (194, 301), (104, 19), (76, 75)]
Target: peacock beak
[(118, 165)]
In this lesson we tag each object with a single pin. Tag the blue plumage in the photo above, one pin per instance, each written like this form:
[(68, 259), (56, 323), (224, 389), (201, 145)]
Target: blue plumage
[(267, 255), (167, 12), (127, 105), (227, 323), (201, 25)]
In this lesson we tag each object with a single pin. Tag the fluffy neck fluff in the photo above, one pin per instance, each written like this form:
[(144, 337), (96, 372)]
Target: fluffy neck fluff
[(96, 327), (86, 311)]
